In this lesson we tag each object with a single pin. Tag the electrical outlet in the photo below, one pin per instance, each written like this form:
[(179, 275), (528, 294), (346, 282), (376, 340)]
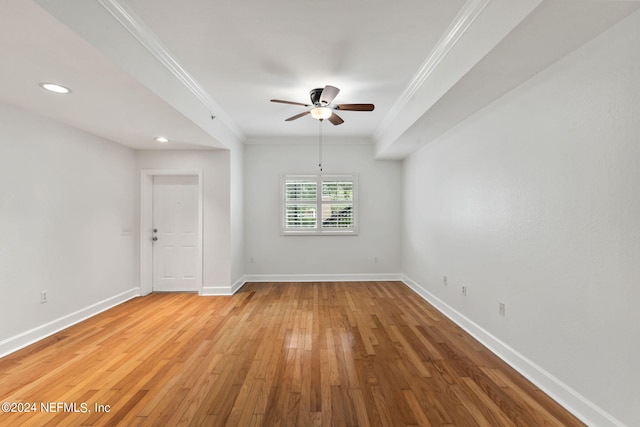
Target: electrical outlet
[(464, 291), (502, 309), (43, 297), (444, 280)]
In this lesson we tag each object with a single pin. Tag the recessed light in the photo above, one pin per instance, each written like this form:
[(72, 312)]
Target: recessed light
[(52, 87), (162, 139)]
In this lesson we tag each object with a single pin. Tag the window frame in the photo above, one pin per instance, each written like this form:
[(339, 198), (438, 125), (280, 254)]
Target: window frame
[(318, 203)]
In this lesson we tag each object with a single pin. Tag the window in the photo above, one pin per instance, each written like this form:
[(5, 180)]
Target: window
[(319, 204)]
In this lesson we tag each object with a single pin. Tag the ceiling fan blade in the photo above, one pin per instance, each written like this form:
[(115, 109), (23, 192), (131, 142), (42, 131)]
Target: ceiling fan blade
[(297, 116), (335, 119), (328, 94), (355, 107), (290, 102)]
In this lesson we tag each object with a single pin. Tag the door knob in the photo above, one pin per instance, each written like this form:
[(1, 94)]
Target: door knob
[(155, 230), (154, 238)]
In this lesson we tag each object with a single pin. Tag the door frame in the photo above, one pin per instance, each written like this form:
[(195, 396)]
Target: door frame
[(146, 225)]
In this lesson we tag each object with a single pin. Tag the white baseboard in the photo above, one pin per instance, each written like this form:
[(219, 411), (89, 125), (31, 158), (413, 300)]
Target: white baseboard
[(212, 291), (321, 277), (215, 291), (588, 412), (38, 333), (238, 284), (235, 287)]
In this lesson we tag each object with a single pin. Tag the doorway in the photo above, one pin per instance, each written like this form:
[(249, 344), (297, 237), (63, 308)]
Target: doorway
[(171, 231)]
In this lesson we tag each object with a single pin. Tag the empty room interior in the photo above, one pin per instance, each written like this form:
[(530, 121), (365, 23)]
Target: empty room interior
[(329, 212)]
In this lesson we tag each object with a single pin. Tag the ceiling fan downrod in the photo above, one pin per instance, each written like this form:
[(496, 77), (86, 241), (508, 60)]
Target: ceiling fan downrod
[(320, 147)]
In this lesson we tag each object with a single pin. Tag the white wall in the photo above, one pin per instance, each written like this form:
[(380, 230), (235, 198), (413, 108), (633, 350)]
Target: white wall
[(237, 215), (215, 166), (279, 257), (65, 197), (535, 202)]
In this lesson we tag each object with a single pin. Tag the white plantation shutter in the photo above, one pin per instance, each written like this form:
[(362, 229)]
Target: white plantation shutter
[(300, 203), (337, 203), (319, 204)]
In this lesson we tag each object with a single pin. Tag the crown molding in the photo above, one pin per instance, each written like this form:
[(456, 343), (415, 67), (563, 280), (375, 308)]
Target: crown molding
[(136, 27), (308, 140), (461, 23)]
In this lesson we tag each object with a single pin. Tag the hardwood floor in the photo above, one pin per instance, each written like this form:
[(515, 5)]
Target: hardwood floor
[(303, 354)]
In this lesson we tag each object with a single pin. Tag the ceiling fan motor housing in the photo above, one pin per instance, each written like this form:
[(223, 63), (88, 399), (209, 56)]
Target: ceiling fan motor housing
[(315, 94)]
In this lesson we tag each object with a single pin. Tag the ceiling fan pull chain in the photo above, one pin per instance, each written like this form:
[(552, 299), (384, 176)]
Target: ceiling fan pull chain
[(320, 148)]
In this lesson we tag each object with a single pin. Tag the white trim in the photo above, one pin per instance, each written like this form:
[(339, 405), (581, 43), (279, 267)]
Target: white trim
[(212, 291), (587, 411), (38, 333), (238, 284), (146, 218), (274, 278), (134, 25), (322, 277), (216, 291), (467, 15), (309, 140)]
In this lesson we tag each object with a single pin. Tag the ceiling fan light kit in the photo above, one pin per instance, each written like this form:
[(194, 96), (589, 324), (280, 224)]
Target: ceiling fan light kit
[(321, 113)]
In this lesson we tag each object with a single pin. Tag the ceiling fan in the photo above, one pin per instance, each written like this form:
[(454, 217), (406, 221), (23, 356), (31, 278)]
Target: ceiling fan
[(323, 108)]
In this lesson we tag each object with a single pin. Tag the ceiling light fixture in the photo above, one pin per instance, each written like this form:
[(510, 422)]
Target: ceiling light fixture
[(56, 88), (321, 113), (162, 139)]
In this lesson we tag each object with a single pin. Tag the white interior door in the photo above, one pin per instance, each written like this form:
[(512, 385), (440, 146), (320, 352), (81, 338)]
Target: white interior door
[(175, 233)]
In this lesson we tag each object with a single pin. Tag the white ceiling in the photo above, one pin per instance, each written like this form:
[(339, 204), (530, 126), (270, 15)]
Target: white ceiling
[(143, 68)]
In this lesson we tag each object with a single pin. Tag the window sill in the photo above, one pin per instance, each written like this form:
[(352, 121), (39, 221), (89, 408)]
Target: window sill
[(318, 233)]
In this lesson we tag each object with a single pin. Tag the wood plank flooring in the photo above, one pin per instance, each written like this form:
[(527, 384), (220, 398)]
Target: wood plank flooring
[(285, 354)]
